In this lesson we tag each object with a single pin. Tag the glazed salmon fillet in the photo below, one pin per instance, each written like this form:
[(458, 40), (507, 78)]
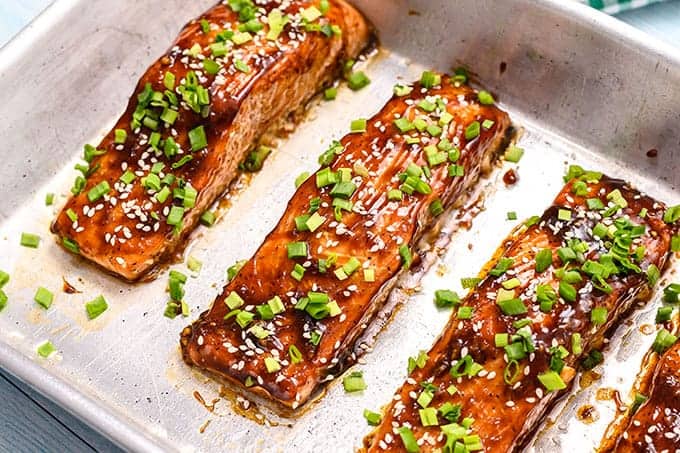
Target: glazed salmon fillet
[(553, 290), (655, 426), (232, 74), (290, 318), (652, 424)]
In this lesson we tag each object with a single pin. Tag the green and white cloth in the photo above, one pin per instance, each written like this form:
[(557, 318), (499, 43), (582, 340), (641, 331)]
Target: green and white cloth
[(617, 6)]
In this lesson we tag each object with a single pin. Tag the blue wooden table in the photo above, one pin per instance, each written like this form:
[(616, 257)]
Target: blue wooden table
[(31, 423)]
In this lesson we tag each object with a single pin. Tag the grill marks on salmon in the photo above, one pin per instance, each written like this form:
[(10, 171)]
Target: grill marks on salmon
[(289, 320), (556, 286), (195, 114)]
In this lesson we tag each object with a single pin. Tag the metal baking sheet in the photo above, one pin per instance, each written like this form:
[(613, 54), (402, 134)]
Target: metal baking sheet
[(584, 87)]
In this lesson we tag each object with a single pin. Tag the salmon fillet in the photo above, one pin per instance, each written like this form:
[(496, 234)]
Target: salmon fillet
[(652, 423), (196, 112), (557, 284), (348, 232)]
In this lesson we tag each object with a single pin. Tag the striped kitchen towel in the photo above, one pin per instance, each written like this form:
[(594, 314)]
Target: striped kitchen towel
[(617, 6)]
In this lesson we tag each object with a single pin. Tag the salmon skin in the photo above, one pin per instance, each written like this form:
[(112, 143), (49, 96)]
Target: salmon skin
[(195, 114), (290, 318), (557, 284)]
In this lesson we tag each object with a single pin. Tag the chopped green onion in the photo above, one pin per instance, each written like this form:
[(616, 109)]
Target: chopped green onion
[(671, 293), (464, 312), (98, 191), (512, 307), (197, 138), (600, 231), (598, 316), (232, 271), (395, 195), (294, 354), (402, 90), (44, 297), (276, 305), (70, 245), (653, 274), (4, 278), (446, 298), (343, 189), (272, 364), (543, 260), (675, 243), (208, 218), (419, 361), (3, 300), (428, 106), (514, 154), (358, 80), (470, 282), (358, 126), (501, 340), (511, 215), (70, 213), (175, 216), (456, 170), (576, 347), (354, 382), (168, 81), (255, 159), (472, 131), (404, 125), (310, 14), (265, 312), (409, 440), (243, 318), (430, 79), (594, 358), (434, 130), (46, 349), (372, 418), (567, 291), (241, 65), (436, 207), (120, 136), (564, 214), (664, 314), (194, 265), (672, 214), (297, 250), (551, 381), (406, 257), (96, 307), (277, 21), (30, 240), (234, 301), (304, 176), (211, 66), (172, 309), (664, 340), (594, 204), (259, 332), (428, 417), (502, 266), (205, 26), (637, 402), (330, 94), (485, 98)]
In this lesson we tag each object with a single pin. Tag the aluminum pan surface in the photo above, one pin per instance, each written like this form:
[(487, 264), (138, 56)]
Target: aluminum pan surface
[(586, 89)]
